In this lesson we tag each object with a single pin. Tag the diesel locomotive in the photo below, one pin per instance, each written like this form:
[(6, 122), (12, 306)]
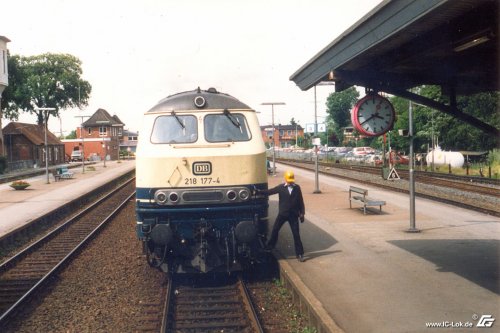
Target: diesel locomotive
[(200, 157)]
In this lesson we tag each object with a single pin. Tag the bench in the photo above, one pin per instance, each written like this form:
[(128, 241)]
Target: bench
[(57, 176), (363, 198), (63, 173)]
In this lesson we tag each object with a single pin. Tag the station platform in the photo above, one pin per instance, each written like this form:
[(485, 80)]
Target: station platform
[(18, 208), (365, 273)]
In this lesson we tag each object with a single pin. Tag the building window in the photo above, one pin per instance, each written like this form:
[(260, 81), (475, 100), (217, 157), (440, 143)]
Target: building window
[(120, 131), (103, 131), (89, 130)]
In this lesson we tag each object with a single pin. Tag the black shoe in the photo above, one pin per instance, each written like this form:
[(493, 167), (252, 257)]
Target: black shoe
[(300, 258)]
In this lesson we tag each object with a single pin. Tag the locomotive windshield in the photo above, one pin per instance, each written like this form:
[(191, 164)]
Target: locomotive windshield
[(175, 129), (226, 127)]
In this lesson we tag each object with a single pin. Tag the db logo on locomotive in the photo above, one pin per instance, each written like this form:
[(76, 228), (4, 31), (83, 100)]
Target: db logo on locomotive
[(202, 168)]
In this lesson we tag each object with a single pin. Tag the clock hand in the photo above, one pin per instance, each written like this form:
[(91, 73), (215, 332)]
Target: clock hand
[(369, 118)]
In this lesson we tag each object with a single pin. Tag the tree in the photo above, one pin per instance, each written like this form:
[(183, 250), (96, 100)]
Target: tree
[(449, 132), (339, 105), (71, 135), (45, 81), (9, 96)]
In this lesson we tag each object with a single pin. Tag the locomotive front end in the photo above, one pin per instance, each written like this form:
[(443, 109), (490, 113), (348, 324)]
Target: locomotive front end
[(198, 165)]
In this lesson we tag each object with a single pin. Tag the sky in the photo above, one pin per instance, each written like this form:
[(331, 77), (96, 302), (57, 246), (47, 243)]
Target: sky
[(136, 52)]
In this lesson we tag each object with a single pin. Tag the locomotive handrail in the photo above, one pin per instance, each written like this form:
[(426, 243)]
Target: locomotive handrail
[(217, 145)]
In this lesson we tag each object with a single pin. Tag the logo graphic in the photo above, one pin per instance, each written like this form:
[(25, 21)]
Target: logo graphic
[(202, 168), (485, 321)]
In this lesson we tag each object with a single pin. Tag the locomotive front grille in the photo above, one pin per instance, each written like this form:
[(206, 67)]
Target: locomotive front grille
[(203, 196)]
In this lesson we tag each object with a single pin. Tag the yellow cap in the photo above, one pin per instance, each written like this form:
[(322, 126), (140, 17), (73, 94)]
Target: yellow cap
[(289, 176)]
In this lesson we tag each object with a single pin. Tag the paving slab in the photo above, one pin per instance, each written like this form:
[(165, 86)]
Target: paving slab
[(370, 275), (18, 208)]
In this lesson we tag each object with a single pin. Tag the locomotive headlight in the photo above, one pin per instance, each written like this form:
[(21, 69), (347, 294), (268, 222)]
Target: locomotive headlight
[(231, 195), (161, 197), (199, 101), (174, 197), (244, 194)]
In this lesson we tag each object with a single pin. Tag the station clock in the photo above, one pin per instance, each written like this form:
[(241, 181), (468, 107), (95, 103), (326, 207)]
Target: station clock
[(373, 115)]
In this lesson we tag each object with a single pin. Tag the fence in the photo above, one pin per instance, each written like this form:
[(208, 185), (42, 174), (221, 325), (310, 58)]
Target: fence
[(20, 165)]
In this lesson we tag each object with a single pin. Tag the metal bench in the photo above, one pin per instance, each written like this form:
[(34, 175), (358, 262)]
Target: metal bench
[(63, 173), (57, 176), (363, 198)]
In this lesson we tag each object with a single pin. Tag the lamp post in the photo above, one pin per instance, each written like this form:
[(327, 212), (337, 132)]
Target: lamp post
[(296, 137), (274, 150), (46, 119), (432, 140), (412, 228), (316, 168), (316, 164), (81, 136), (105, 151)]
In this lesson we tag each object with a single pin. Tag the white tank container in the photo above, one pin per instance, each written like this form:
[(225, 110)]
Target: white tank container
[(454, 158)]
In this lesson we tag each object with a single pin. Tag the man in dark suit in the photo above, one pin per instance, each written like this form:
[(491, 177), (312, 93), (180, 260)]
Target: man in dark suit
[(291, 209)]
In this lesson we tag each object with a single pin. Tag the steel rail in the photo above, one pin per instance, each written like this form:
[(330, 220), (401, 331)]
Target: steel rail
[(7, 313), (247, 301), (34, 246), (470, 206), (224, 308)]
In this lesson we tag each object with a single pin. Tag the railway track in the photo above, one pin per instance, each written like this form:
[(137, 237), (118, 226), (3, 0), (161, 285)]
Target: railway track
[(479, 188), (27, 271), (463, 183), (209, 306)]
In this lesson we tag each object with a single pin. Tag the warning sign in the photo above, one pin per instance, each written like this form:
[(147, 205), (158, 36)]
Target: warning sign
[(393, 175)]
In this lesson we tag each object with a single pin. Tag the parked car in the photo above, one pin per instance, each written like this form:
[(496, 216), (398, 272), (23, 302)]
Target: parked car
[(372, 159), (363, 150), (76, 156), (398, 158)]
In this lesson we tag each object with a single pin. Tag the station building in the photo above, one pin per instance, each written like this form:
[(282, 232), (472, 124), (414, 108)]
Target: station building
[(25, 146), (99, 137), (283, 136)]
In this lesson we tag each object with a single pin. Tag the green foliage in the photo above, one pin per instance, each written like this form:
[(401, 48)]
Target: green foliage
[(46, 80), (339, 105), (71, 135), (11, 97), (494, 157), (309, 330), (449, 132)]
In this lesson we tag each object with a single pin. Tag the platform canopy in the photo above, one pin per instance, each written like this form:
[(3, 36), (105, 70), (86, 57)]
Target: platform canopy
[(406, 43)]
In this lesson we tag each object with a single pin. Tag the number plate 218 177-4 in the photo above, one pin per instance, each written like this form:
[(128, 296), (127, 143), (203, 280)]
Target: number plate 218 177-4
[(201, 180)]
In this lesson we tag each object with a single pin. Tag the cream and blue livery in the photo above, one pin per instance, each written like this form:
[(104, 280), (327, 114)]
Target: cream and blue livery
[(199, 159)]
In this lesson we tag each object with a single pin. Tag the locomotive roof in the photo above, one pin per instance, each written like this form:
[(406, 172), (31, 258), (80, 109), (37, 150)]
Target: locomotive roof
[(199, 99)]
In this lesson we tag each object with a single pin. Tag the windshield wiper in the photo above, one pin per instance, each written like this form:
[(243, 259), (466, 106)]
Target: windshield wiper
[(178, 120), (234, 120)]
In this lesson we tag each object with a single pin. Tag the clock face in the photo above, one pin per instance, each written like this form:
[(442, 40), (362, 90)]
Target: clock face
[(373, 115)]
